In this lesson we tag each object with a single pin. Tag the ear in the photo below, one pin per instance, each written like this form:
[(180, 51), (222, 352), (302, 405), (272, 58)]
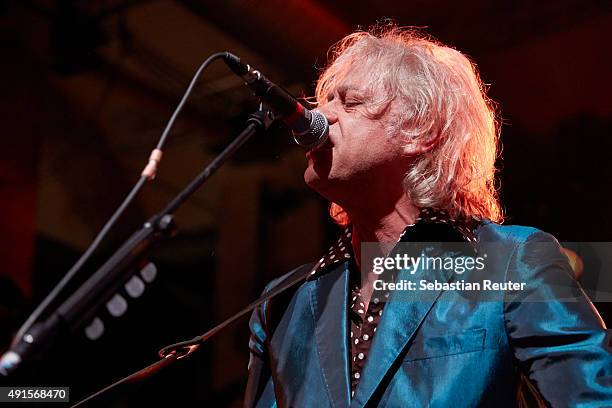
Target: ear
[(418, 147)]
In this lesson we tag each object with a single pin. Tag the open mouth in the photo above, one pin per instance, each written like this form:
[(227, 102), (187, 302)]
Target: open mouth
[(321, 150), (328, 144)]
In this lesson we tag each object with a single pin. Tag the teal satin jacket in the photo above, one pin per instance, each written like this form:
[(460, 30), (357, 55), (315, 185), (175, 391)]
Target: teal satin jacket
[(444, 350)]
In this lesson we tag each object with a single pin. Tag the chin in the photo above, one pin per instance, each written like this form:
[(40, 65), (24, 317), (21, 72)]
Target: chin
[(326, 187), (315, 181), (311, 178)]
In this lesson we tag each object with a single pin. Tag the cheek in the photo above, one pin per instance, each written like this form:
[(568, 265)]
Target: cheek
[(395, 147), (367, 144), (381, 148)]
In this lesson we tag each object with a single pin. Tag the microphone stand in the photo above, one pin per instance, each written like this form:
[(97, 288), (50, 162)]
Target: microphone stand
[(82, 305)]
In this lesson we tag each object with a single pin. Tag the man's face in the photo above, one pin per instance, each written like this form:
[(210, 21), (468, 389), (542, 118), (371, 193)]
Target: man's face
[(359, 149)]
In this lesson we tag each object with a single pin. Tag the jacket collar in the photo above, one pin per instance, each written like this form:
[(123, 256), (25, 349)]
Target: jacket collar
[(399, 323)]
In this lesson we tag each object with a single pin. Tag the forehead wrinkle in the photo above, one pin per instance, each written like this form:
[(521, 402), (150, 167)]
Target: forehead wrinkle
[(344, 88), (350, 78)]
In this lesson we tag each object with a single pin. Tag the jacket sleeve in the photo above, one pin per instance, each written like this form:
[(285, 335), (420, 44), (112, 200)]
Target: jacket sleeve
[(260, 386), (560, 340)]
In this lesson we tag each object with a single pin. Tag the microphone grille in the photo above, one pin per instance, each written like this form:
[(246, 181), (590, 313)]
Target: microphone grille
[(317, 134)]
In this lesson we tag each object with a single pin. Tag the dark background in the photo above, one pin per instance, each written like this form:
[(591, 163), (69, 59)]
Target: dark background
[(87, 87)]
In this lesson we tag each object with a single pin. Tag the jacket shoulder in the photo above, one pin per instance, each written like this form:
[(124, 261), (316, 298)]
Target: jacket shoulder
[(289, 276), (513, 234), (268, 311)]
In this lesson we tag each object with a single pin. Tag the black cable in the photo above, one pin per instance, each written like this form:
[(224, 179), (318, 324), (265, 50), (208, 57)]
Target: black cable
[(52, 296)]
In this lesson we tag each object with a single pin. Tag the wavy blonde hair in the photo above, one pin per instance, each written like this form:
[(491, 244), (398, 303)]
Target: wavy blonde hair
[(443, 102)]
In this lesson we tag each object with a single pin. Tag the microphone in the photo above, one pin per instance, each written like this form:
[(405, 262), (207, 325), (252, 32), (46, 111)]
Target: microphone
[(310, 128)]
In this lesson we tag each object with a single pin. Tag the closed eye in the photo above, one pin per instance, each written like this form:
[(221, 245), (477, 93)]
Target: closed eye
[(352, 102), (351, 98)]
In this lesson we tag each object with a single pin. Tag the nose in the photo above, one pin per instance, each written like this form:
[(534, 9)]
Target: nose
[(328, 110)]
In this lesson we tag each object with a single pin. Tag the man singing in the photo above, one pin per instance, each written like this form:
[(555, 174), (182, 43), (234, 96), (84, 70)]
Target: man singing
[(410, 158)]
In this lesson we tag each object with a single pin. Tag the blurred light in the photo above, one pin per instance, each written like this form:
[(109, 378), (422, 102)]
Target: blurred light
[(149, 272), (117, 305), (135, 287), (95, 329)]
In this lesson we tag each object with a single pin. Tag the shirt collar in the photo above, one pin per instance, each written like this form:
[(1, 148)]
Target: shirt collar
[(431, 225)]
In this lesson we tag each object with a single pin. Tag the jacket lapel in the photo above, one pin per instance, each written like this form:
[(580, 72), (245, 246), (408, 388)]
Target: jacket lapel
[(399, 322), (329, 303)]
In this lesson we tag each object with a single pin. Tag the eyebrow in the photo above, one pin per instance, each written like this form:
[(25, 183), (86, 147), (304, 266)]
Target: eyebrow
[(343, 89)]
